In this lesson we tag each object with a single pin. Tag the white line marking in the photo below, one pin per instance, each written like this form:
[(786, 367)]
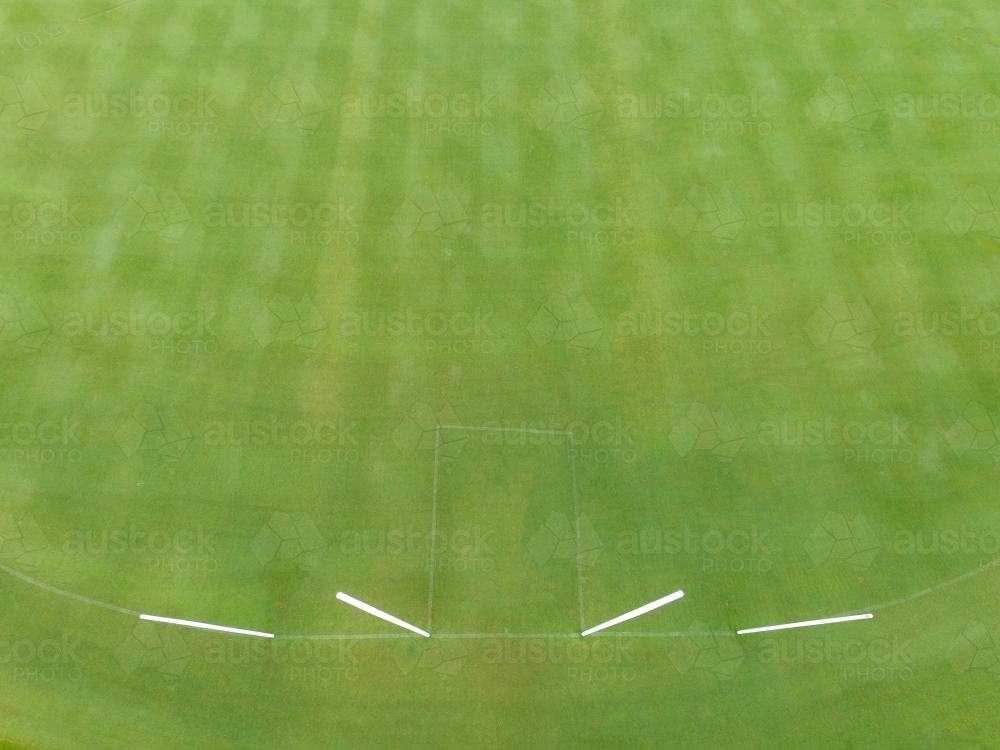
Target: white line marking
[(636, 612), (579, 563), (205, 626), (806, 623), (502, 429), (107, 10), (500, 636), (380, 614), (68, 594), (434, 510)]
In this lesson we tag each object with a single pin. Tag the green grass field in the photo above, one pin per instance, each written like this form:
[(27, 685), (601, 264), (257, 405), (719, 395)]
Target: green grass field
[(506, 319)]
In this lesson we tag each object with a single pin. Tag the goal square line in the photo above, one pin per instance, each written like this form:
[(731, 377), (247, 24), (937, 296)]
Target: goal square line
[(434, 503)]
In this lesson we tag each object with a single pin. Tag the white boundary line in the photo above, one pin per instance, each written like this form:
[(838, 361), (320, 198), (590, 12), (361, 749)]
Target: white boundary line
[(502, 429), (205, 626), (636, 612), (434, 507), (992, 564), (68, 594), (806, 623), (481, 636), (380, 614), (576, 515), (107, 10)]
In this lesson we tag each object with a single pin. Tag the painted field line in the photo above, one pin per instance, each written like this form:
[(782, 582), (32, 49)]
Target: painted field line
[(67, 594), (108, 10), (380, 614), (501, 636), (480, 428), (205, 626), (434, 510), (806, 623), (636, 612), (579, 559)]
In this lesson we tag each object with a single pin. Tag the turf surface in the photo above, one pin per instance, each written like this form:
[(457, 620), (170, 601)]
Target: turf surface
[(506, 320)]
